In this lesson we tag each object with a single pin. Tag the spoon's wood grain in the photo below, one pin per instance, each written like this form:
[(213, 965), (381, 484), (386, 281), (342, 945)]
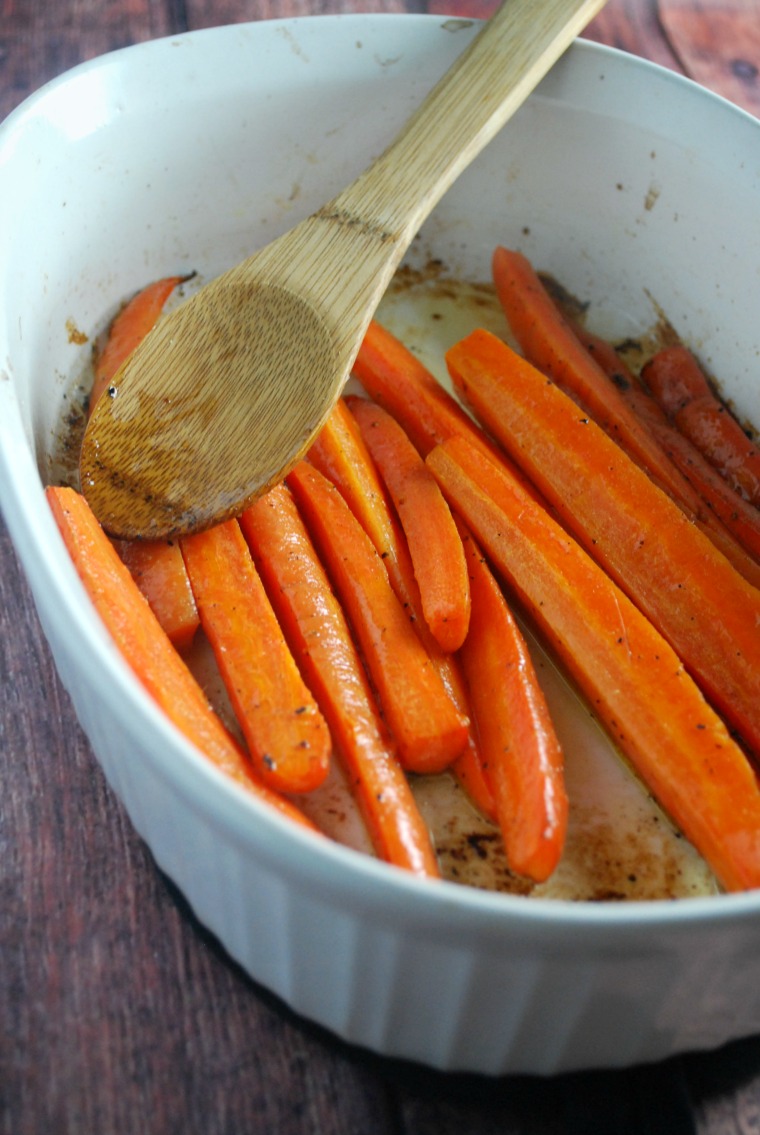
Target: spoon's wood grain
[(228, 392)]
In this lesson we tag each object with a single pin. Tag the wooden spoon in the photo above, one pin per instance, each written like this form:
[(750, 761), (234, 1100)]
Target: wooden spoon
[(227, 392)]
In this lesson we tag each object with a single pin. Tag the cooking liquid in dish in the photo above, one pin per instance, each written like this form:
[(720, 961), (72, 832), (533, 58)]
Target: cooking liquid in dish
[(619, 846)]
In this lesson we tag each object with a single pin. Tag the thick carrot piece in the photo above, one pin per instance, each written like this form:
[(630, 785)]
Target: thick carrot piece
[(428, 729), (670, 569), (147, 649), (547, 340), (319, 637), (522, 756), (628, 673), (432, 537), (287, 736), (158, 569), (138, 316), (340, 454), (679, 384)]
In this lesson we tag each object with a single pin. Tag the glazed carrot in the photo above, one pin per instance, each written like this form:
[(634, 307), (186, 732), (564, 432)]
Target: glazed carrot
[(630, 676), (159, 571), (548, 342), (522, 756), (129, 328), (671, 570), (732, 524), (427, 728), (340, 454), (147, 649), (738, 516), (680, 385), (319, 637), (156, 566), (287, 736), (432, 537)]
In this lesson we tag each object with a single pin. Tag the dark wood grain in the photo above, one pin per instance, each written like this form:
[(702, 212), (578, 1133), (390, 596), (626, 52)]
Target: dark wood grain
[(118, 1012)]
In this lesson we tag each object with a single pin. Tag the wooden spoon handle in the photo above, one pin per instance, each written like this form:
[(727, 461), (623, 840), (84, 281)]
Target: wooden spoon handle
[(473, 100)]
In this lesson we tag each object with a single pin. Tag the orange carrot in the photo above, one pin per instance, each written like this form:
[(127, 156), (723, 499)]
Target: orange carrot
[(680, 386), (147, 649), (732, 524), (547, 340), (159, 571), (128, 329), (287, 736), (738, 516), (318, 634), (689, 590), (156, 566), (424, 722), (630, 676), (340, 454), (432, 537), (522, 756)]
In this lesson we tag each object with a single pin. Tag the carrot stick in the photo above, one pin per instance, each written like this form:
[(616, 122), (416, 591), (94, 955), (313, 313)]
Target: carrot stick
[(128, 329), (548, 342), (147, 649), (522, 756), (432, 537), (318, 634), (340, 454), (424, 722), (671, 570), (680, 385), (156, 566), (159, 571), (628, 673), (287, 736), (732, 523)]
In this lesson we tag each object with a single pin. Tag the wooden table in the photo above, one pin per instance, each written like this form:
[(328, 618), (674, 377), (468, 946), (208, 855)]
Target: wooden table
[(118, 1012)]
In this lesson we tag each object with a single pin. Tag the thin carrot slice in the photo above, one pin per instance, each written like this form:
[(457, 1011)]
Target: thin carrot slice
[(680, 385), (340, 454), (670, 569), (128, 329), (432, 537), (319, 637), (287, 736), (147, 649), (628, 673), (427, 727), (522, 756), (158, 569), (548, 342)]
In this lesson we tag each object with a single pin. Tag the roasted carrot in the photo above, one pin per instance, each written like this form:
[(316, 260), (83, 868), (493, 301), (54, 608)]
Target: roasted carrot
[(428, 729), (287, 736), (679, 384), (732, 523), (522, 756), (670, 569), (432, 537), (156, 566), (147, 649), (159, 571), (630, 676), (128, 329), (340, 454), (547, 340), (319, 637)]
